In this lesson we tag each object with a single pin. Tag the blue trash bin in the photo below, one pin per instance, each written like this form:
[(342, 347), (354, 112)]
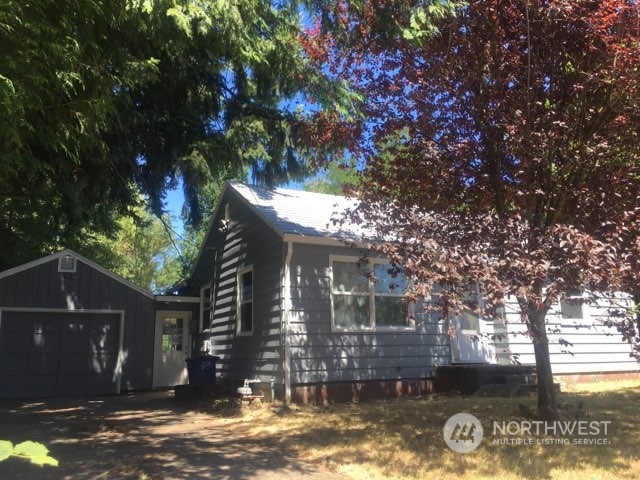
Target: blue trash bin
[(202, 370)]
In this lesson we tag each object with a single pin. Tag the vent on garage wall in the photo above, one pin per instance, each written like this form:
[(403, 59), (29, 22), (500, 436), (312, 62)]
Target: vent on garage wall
[(67, 264)]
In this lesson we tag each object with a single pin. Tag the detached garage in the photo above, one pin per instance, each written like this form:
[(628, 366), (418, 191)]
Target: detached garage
[(69, 327)]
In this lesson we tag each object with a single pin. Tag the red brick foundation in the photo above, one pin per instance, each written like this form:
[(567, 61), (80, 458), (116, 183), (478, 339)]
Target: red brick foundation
[(326, 393)]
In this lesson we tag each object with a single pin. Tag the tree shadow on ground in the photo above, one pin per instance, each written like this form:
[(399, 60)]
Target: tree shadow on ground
[(144, 436)]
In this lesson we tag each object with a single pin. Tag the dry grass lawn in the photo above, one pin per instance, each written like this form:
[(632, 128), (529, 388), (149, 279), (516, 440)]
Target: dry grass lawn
[(403, 439)]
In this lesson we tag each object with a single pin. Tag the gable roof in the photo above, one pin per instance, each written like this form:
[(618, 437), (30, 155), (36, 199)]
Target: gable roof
[(298, 215), (65, 253), (294, 215)]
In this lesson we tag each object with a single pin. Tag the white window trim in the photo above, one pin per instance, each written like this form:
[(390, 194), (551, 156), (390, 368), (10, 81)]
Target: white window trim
[(458, 318), (372, 320), (202, 308), (572, 322), (242, 272)]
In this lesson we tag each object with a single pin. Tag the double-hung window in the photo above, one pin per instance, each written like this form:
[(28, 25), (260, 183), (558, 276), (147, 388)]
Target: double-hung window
[(571, 309), (469, 319), (367, 294), (245, 301), (205, 307)]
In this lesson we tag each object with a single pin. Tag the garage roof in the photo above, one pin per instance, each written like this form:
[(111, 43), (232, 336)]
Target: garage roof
[(65, 259)]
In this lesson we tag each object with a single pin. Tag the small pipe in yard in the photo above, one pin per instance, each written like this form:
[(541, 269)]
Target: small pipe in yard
[(273, 389)]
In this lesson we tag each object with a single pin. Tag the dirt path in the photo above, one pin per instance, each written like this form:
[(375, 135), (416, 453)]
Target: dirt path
[(145, 436)]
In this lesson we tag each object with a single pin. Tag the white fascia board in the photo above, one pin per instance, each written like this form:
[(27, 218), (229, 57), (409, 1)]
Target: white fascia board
[(108, 273), (32, 264), (258, 212), (177, 299), (202, 248), (86, 261), (324, 241)]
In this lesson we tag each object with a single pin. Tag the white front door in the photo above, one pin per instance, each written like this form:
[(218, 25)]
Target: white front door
[(171, 349), (472, 340)]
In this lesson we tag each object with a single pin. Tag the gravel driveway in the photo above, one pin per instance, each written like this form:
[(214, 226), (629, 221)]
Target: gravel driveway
[(145, 436)]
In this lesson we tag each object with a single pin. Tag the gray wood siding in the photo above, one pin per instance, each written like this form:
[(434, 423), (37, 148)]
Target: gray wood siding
[(43, 287), (596, 347), (247, 241), (319, 354)]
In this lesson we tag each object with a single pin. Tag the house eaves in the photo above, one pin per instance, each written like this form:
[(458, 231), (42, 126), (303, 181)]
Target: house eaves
[(78, 257), (295, 216), (299, 216)]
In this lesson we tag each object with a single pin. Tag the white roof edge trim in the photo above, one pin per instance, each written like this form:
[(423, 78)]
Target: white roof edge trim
[(177, 299), (62, 310), (257, 211), (324, 241), (229, 186), (214, 214), (293, 237), (28, 265), (86, 261)]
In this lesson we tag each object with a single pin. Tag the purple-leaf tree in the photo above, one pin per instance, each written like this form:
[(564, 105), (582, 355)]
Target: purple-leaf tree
[(501, 149)]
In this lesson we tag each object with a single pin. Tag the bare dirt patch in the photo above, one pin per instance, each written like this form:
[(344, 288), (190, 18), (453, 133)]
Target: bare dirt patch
[(148, 436)]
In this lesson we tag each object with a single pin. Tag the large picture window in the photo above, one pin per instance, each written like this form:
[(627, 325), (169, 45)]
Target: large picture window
[(245, 301), (367, 294)]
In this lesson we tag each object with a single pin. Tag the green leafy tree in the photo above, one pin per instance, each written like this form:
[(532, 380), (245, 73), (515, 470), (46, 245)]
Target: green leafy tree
[(33, 452), (144, 251), (334, 179), (189, 243), (102, 101)]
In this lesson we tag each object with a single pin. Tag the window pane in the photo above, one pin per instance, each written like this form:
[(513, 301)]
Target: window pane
[(245, 300), (247, 286), (571, 309), (469, 321), (246, 317), (351, 310), (206, 298), (350, 277), (391, 311), (172, 334), (386, 282)]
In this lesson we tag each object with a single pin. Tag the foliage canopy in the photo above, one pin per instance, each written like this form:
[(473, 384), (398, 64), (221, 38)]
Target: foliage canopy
[(501, 148), (101, 101)]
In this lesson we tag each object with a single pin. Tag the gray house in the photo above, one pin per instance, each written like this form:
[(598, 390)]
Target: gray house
[(278, 293), (285, 299), (69, 327)]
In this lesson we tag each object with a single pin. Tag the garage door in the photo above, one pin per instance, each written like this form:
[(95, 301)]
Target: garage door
[(45, 354)]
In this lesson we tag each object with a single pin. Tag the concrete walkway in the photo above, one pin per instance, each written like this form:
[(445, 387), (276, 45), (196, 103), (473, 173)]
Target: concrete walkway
[(145, 436)]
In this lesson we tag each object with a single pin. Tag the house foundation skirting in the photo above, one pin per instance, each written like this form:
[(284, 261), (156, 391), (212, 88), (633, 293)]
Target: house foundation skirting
[(596, 377), (329, 392)]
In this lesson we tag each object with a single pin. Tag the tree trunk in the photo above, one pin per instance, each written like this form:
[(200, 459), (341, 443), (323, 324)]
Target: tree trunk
[(636, 338), (547, 402)]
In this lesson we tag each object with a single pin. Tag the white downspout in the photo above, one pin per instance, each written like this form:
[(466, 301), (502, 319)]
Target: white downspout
[(286, 314)]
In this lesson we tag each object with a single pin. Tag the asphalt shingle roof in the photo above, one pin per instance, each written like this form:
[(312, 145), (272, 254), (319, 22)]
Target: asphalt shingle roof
[(299, 212)]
